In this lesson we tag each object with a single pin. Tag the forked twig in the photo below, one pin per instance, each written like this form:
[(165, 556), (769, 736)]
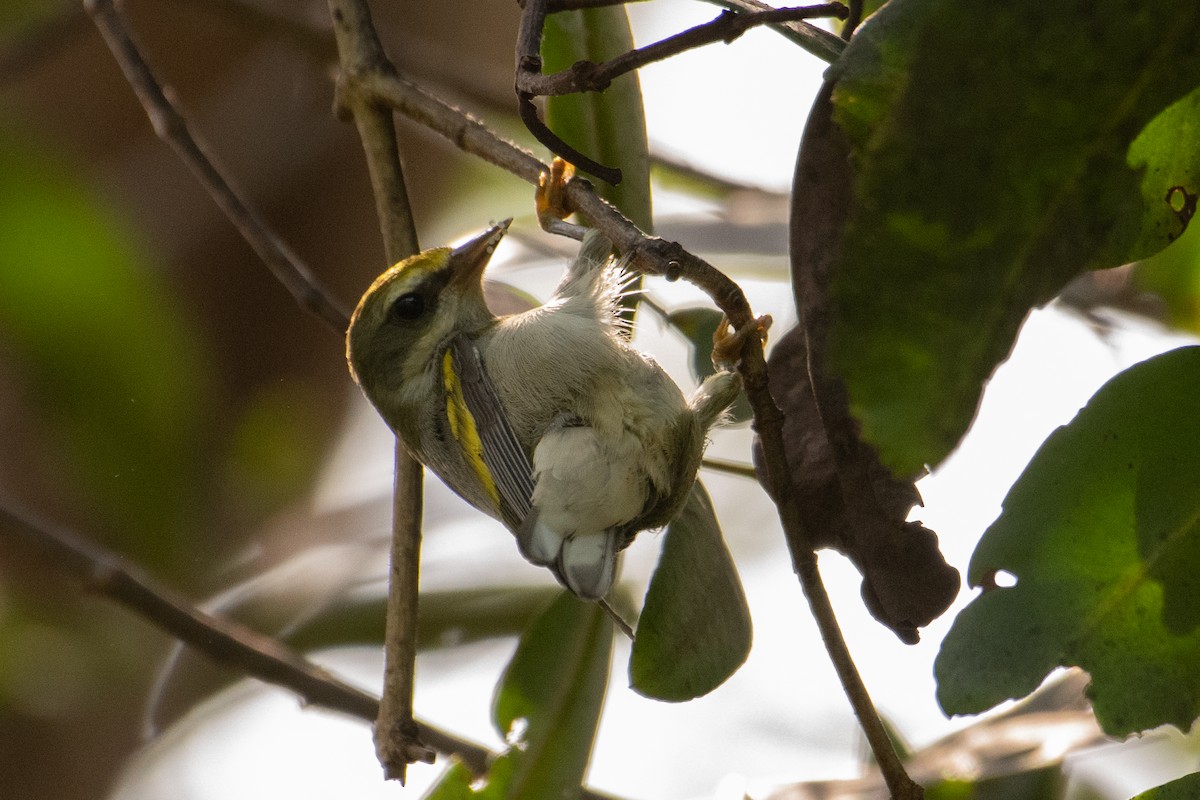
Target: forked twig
[(587, 76)]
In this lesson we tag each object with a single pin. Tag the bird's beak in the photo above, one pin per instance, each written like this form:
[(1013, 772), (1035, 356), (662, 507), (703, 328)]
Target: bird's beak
[(467, 261)]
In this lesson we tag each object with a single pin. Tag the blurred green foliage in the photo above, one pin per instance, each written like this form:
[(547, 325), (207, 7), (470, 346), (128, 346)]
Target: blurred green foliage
[(114, 367)]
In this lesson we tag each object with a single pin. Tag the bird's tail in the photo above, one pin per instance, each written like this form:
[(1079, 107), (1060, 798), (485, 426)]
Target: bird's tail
[(584, 563)]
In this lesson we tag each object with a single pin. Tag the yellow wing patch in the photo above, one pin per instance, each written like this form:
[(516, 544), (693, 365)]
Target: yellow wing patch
[(464, 430)]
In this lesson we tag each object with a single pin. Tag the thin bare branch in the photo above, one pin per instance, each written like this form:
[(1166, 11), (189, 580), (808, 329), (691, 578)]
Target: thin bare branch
[(730, 467), (172, 128), (222, 640), (588, 76), (817, 41), (455, 125), (900, 785), (361, 54)]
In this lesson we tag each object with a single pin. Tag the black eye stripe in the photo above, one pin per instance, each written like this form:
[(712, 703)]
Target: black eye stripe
[(407, 307), (420, 299)]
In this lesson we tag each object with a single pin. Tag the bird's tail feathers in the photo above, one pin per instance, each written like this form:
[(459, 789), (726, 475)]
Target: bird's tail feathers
[(584, 563)]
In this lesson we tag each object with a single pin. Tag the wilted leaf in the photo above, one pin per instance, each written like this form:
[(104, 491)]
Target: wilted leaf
[(995, 159), (848, 500), (694, 631), (1102, 533)]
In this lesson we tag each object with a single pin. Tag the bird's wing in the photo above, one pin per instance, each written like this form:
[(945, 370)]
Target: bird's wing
[(504, 458)]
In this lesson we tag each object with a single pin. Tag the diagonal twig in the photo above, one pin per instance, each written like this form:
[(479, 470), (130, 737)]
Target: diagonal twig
[(172, 128), (223, 640), (817, 41), (588, 76)]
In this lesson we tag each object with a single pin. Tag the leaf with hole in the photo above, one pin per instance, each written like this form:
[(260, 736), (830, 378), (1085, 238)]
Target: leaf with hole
[(1000, 150), (1102, 535)]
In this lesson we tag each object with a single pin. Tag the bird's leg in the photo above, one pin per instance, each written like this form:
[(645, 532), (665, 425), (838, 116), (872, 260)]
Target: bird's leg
[(727, 344), (623, 626), (551, 201)]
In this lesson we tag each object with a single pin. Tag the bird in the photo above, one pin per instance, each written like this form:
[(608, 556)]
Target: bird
[(548, 420)]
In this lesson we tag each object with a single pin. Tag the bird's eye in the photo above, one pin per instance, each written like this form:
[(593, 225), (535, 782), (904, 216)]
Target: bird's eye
[(407, 307)]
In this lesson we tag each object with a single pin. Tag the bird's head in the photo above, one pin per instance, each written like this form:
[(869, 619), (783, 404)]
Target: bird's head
[(416, 306)]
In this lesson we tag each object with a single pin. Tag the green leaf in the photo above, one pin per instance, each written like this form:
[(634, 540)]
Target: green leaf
[(546, 706), (554, 689), (1174, 275), (1000, 150), (1185, 788), (694, 631), (1168, 147), (608, 126), (1102, 533), (698, 325)]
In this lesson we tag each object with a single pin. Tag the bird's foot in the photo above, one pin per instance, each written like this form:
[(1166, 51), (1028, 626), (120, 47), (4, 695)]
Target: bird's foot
[(551, 202), (728, 344)]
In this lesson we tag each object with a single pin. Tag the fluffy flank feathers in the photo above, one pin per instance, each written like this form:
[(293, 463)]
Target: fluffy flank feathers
[(597, 283)]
